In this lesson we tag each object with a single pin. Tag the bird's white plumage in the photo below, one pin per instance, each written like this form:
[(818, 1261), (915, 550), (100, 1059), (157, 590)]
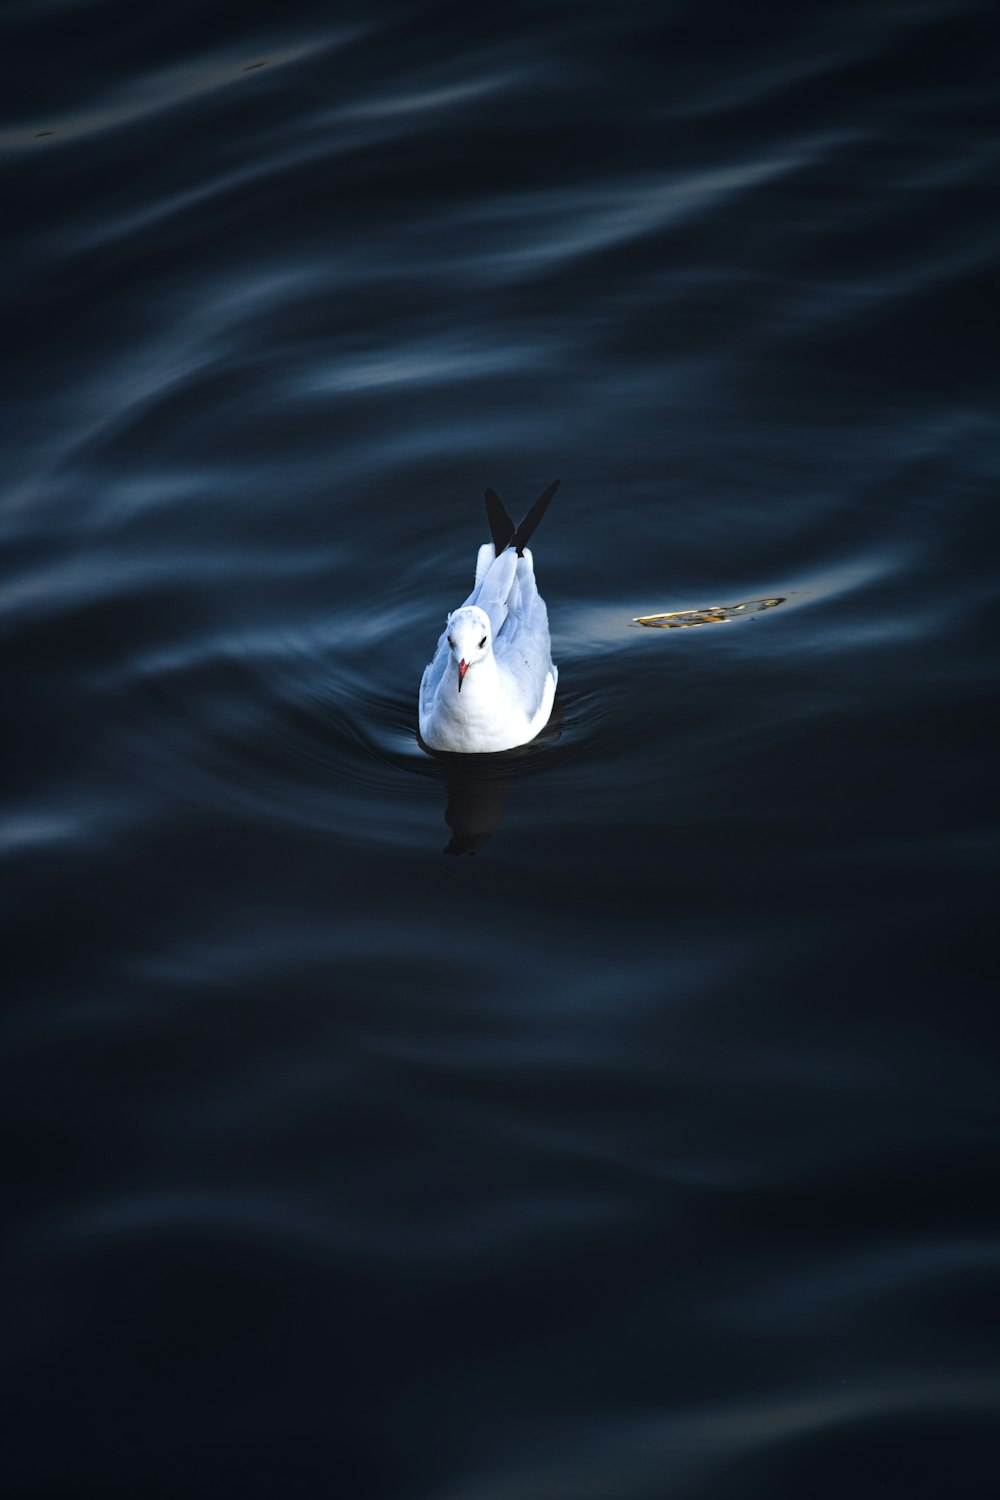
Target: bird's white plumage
[(502, 633)]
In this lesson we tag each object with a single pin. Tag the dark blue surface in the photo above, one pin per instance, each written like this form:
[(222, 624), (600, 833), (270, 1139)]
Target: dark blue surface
[(652, 1152)]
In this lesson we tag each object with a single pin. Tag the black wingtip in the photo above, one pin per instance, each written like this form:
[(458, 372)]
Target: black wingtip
[(501, 525), (522, 536)]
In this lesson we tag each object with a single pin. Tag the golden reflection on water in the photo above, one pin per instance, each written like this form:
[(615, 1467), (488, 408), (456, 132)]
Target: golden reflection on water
[(717, 614)]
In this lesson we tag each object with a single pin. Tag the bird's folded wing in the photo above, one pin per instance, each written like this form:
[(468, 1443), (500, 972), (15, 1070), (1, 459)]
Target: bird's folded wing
[(523, 650), (435, 670), (493, 593)]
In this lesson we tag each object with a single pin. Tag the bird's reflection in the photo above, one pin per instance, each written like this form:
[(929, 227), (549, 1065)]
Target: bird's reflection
[(477, 796), (477, 786)]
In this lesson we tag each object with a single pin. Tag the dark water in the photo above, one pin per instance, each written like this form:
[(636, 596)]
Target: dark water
[(651, 1152)]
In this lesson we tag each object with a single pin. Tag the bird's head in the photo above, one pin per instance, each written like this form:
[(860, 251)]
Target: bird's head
[(470, 638)]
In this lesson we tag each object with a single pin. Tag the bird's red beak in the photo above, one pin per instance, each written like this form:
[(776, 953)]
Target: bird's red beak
[(463, 667)]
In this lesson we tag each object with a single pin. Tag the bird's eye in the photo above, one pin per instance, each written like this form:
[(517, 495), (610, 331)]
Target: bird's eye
[(482, 643), (451, 640)]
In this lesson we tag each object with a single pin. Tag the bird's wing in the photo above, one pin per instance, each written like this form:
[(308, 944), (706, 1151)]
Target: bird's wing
[(433, 673), (523, 648), (492, 593), (522, 536), (501, 525)]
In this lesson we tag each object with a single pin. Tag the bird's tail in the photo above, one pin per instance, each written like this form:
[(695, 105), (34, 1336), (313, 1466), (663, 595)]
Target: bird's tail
[(502, 528)]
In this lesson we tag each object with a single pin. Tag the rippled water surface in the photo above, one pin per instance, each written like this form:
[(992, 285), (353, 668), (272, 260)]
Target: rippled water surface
[(648, 1148)]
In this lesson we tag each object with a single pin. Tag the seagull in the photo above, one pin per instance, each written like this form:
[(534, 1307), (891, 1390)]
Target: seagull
[(491, 683)]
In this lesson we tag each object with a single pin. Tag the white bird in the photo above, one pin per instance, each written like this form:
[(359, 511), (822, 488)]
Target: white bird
[(491, 683)]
